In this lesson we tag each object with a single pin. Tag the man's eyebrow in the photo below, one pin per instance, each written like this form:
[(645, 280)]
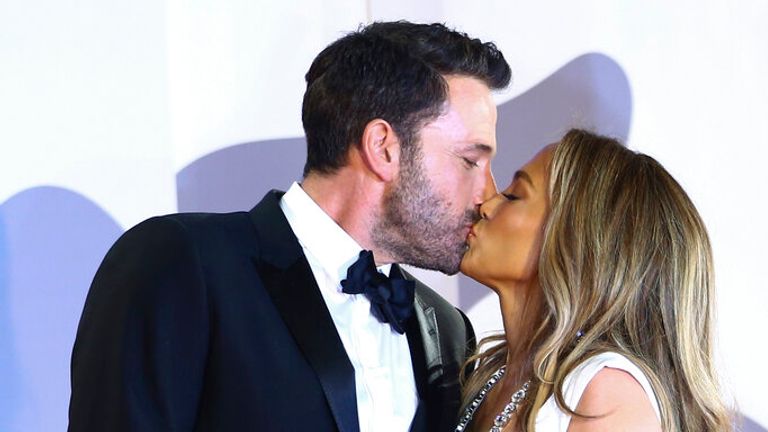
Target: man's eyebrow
[(524, 176), (482, 148)]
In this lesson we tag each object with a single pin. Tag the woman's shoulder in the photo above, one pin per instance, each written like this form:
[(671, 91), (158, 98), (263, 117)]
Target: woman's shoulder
[(583, 375), (608, 385), (616, 399)]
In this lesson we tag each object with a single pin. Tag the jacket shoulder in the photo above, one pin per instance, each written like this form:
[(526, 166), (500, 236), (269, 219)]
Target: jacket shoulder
[(203, 229)]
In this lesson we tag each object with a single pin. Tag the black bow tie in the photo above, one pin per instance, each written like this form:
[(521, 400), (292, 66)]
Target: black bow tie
[(391, 297)]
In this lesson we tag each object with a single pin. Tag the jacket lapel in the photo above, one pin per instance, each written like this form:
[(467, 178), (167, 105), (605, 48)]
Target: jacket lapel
[(426, 359), (289, 280), (423, 339)]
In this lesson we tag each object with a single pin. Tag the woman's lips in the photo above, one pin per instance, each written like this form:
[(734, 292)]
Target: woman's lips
[(472, 232)]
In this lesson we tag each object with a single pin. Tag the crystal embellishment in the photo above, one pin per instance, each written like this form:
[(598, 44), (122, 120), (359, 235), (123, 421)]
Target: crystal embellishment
[(505, 415)]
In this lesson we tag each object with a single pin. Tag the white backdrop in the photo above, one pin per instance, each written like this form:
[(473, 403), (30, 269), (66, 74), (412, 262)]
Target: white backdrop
[(103, 104)]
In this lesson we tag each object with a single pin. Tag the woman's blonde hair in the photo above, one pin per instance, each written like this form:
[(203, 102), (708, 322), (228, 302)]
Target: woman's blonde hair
[(625, 263)]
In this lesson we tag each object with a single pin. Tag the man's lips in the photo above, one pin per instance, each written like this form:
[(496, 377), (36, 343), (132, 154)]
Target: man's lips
[(472, 232)]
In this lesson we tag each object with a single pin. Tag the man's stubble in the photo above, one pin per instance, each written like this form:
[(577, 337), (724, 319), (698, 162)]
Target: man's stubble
[(415, 226)]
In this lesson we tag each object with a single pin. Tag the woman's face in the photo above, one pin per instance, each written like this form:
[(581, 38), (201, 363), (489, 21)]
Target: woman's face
[(504, 245)]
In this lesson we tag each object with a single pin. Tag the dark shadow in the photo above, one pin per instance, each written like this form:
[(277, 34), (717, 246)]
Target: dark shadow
[(51, 242), (591, 92), (237, 177)]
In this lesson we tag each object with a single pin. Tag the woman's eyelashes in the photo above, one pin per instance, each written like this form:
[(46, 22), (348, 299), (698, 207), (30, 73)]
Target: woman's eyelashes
[(509, 196)]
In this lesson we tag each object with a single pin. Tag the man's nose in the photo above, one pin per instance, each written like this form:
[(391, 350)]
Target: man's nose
[(489, 189)]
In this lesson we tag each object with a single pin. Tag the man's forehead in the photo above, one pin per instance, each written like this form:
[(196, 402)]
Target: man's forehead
[(466, 124)]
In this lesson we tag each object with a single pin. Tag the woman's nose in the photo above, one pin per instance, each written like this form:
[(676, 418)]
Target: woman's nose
[(487, 208)]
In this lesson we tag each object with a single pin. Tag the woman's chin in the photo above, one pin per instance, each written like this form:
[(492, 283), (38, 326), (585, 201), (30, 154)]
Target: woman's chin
[(467, 267)]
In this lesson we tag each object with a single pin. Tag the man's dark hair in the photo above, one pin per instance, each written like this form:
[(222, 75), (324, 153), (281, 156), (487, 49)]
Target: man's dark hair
[(389, 70)]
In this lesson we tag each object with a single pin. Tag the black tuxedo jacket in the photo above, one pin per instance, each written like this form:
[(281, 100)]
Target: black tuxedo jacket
[(214, 322)]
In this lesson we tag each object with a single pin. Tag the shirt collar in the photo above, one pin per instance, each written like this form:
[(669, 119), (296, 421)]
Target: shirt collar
[(320, 235)]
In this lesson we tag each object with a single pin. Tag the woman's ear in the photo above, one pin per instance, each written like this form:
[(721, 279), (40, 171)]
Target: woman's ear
[(380, 149)]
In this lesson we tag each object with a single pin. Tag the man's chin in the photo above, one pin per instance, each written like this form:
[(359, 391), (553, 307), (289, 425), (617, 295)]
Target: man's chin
[(451, 272), (449, 269), (454, 267), (434, 258)]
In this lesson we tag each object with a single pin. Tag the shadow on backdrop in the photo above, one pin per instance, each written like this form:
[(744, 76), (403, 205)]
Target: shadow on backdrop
[(591, 92), (51, 242), (237, 177), (749, 425)]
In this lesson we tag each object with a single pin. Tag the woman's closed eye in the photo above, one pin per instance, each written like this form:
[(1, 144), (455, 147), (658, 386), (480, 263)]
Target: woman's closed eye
[(509, 196)]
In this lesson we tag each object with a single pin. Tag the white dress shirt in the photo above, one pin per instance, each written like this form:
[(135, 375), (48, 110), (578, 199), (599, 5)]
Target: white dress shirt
[(386, 390)]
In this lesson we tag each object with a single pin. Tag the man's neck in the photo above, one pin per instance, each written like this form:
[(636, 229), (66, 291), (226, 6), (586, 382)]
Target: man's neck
[(352, 199)]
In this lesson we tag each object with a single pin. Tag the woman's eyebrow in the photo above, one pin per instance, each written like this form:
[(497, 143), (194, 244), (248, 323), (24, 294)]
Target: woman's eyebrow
[(524, 176)]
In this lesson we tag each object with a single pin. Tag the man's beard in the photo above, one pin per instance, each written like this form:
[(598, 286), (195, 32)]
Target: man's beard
[(415, 226)]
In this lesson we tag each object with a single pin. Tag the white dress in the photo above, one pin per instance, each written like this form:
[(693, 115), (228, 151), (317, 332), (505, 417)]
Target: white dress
[(551, 419)]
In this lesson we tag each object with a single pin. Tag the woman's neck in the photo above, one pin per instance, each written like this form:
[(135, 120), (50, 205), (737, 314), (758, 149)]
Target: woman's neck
[(521, 308)]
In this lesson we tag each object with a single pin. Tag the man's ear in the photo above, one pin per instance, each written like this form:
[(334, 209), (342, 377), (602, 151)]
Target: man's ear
[(380, 149)]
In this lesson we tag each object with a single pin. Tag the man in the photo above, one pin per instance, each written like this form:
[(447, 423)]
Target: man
[(267, 320)]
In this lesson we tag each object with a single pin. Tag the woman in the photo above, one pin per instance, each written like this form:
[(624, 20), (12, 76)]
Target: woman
[(603, 270)]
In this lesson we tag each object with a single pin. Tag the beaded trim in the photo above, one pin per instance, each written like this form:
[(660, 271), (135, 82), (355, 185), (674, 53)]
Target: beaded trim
[(503, 417)]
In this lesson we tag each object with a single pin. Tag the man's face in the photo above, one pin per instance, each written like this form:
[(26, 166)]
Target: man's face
[(431, 208)]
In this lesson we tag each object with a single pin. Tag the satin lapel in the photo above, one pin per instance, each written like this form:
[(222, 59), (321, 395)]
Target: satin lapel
[(426, 359), (423, 341), (291, 284), (430, 336)]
